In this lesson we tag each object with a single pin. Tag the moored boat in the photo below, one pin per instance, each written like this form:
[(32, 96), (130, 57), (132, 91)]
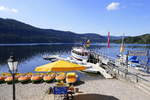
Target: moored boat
[(9, 79), (71, 78), (80, 53), (2, 79), (60, 77), (51, 57), (49, 78), (23, 79), (36, 78)]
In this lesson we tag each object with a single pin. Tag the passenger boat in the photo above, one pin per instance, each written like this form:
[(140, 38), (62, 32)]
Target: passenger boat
[(82, 56), (80, 53)]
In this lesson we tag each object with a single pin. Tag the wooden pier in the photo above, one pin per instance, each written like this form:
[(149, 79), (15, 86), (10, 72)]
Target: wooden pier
[(121, 70), (111, 67)]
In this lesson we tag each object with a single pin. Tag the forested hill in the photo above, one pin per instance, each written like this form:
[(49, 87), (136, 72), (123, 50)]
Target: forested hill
[(142, 39), (13, 31)]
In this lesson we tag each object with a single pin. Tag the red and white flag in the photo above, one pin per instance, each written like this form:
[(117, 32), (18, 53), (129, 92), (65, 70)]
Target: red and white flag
[(108, 42)]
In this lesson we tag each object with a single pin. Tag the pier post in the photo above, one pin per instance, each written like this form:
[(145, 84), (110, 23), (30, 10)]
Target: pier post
[(126, 72), (137, 78), (118, 71), (148, 60), (127, 60)]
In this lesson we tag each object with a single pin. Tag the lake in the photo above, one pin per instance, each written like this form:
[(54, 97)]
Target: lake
[(30, 55)]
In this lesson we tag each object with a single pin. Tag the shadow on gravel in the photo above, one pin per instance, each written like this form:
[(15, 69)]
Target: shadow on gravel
[(38, 82), (79, 83), (94, 97)]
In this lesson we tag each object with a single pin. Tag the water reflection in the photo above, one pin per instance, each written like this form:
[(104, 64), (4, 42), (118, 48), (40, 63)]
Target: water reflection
[(26, 52), (30, 56)]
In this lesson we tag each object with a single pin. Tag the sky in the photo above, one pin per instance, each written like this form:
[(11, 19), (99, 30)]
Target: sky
[(129, 17)]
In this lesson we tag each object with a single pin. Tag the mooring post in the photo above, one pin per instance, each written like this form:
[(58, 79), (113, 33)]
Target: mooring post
[(126, 72), (137, 78), (148, 60), (118, 71), (127, 61)]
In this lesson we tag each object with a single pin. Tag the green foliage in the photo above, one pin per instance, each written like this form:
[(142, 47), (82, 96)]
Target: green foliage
[(12, 31), (142, 39)]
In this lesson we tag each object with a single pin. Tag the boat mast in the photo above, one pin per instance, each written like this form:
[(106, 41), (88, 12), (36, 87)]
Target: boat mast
[(122, 48)]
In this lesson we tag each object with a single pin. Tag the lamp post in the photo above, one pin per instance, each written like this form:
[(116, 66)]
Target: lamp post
[(12, 64)]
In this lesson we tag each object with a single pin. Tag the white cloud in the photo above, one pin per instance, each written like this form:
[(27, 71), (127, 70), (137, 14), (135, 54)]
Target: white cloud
[(113, 6), (2, 8), (14, 10), (7, 9)]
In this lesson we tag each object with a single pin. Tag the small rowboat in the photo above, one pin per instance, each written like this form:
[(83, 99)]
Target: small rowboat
[(23, 79), (60, 77), (2, 79), (71, 78), (9, 79), (36, 78), (49, 78)]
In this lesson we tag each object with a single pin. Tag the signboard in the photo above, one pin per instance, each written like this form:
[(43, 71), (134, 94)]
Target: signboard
[(60, 90), (138, 53)]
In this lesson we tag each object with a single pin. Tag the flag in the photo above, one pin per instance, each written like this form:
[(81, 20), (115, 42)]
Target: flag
[(87, 44), (108, 45), (122, 47)]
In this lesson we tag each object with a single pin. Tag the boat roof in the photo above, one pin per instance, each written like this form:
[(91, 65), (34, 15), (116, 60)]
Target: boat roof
[(80, 49)]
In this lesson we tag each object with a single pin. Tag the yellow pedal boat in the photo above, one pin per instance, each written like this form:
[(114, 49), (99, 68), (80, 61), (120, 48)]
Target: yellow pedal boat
[(71, 78), (36, 78), (23, 79), (60, 77), (49, 78)]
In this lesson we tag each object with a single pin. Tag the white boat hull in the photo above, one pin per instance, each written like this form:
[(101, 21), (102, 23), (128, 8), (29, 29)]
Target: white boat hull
[(79, 57)]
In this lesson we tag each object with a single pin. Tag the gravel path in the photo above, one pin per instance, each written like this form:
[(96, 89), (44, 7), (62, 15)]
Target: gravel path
[(111, 89)]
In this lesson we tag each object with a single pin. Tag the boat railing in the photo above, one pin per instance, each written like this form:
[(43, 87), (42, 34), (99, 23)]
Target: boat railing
[(121, 69)]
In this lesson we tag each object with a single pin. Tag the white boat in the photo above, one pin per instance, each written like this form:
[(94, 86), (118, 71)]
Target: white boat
[(51, 57), (80, 53)]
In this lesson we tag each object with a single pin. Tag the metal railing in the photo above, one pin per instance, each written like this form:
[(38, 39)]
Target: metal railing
[(121, 69)]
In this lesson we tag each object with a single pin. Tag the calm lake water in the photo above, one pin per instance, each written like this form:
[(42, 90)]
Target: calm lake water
[(30, 55)]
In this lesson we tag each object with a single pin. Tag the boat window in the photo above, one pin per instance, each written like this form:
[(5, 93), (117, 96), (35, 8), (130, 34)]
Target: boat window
[(82, 54)]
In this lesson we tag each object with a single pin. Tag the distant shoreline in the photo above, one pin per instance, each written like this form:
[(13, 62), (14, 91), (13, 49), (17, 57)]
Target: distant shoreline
[(36, 44), (30, 44)]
